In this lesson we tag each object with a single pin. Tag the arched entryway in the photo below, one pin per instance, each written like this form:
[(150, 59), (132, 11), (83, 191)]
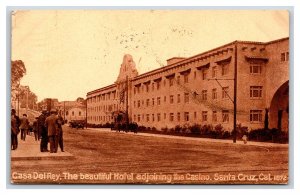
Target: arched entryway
[(279, 108)]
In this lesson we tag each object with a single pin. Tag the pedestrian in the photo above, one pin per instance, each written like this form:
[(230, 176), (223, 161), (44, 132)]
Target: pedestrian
[(43, 132), (60, 142), (24, 126), (15, 122), (244, 138), (35, 128), (51, 125)]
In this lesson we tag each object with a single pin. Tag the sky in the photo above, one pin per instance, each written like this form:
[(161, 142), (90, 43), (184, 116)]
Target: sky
[(68, 53)]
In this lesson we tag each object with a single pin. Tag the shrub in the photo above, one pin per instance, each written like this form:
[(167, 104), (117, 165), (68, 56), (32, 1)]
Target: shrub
[(178, 129), (195, 129)]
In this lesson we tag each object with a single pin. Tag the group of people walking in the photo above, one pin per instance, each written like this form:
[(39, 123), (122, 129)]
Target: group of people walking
[(47, 128)]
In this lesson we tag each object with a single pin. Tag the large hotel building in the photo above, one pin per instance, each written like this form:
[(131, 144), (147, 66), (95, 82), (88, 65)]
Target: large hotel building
[(200, 89)]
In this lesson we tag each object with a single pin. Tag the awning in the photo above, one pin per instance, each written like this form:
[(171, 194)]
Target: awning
[(203, 66), (224, 61), (256, 59)]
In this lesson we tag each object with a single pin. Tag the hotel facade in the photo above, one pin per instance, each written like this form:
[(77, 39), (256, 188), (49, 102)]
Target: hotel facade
[(200, 89)]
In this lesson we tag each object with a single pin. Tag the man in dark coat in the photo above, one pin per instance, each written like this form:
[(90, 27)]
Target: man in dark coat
[(42, 132), (35, 129), (51, 125), (24, 126), (60, 141), (15, 122)]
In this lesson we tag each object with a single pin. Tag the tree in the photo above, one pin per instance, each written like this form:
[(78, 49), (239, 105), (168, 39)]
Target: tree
[(18, 70)]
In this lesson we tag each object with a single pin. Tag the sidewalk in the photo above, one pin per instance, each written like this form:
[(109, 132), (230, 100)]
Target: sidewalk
[(30, 150), (249, 143)]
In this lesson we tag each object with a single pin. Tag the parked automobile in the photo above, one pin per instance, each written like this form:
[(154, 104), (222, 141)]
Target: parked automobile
[(77, 124)]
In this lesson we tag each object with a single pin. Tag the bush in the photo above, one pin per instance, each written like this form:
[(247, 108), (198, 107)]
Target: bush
[(269, 135), (195, 129), (178, 129)]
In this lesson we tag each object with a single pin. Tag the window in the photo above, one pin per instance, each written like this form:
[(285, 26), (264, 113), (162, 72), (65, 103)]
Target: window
[(147, 102), (158, 101), (225, 116), (214, 94), (225, 69), (153, 118), (171, 116), (147, 117), (186, 78), (186, 116), (178, 116), (158, 85), (158, 117), (195, 74), (195, 115), (204, 94), (178, 98), (214, 72), (255, 115), (255, 68), (214, 116), (204, 116), (178, 80), (255, 91), (165, 116), (204, 74), (186, 97), (225, 91), (287, 56), (153, 101), (152, 86), (171, 81), (139, 104), (282, 57), (165, 98), (171, 99)]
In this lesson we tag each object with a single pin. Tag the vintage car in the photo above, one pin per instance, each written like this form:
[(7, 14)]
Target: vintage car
[(77, 124)]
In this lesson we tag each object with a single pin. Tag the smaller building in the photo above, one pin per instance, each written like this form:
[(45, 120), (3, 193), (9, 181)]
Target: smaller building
[(72, 110)]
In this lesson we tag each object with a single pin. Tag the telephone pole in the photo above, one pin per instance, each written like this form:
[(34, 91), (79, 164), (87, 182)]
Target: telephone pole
[(234, 133)]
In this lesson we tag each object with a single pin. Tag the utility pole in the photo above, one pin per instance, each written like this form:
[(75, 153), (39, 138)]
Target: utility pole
[(234, 133), (86, 110), (64, 110), (127, 118)]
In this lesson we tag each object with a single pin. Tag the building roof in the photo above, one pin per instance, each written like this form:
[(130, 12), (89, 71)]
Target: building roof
[(190, 59)]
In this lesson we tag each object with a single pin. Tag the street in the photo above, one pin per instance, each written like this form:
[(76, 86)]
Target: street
[(114, 157)]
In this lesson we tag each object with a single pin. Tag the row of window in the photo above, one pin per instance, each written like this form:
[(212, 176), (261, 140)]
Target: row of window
[(255, 92), (255, 116), (72, 113), (104, 108), (254, 69), (102, 97), (100, 118)]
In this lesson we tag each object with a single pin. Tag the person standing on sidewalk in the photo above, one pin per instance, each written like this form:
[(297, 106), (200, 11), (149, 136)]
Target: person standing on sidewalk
[(51, 125), (60, 141), (35, 128), (43, 132), (24, 126), (15, 122)]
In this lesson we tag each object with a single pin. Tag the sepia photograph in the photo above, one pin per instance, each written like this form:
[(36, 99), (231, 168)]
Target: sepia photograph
[(149, 96)]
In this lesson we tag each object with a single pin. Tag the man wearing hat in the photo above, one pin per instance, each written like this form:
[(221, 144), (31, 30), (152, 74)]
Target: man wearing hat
[(51, 125), (43, 132), (15, 122)]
